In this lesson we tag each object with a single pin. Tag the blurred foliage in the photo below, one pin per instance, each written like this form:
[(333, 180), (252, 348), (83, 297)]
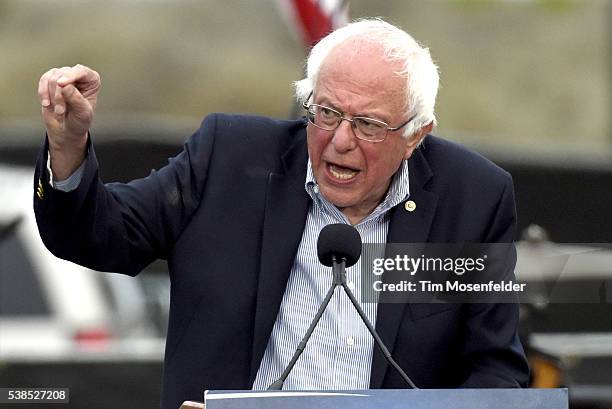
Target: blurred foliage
[(531, 72), (555, 5)]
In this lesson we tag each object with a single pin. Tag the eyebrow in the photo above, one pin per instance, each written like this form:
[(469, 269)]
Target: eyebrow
[(330, 104)]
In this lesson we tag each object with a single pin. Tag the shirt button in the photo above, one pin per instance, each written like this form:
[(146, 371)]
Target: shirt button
[(351, 285), (350, 341), (316, 189)]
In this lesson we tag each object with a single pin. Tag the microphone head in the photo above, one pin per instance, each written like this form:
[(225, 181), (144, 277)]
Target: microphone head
[(339, 240)]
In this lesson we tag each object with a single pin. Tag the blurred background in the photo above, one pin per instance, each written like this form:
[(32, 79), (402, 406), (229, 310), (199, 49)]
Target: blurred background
[(528, 83)]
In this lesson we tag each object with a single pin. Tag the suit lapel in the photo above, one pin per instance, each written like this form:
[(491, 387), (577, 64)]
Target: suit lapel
[(404, 227), (284, 220)]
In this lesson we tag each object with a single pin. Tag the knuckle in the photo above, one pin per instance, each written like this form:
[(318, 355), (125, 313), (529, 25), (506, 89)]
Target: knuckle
[(47, 75), (54, 76), (65, 71), (81, 70)]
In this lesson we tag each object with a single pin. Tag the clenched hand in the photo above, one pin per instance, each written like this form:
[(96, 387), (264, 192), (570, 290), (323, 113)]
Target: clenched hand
[(68, 96)]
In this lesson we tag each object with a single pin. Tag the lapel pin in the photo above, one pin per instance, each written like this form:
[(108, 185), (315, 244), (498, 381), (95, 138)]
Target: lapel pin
[(410, 206)]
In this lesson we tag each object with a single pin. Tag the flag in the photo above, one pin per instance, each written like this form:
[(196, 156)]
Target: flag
[(311, 20)]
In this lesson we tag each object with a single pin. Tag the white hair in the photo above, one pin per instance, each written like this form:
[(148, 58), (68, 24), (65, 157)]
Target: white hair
[(422, 78)]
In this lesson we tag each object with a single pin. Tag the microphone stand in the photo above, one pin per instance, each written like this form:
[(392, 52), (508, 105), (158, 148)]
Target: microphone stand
[(338, 280)]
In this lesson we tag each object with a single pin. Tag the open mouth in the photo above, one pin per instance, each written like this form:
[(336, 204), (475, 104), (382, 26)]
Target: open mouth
[(341, 173)]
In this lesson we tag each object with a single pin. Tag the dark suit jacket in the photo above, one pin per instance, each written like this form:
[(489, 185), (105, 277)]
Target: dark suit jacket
[(228, 214)]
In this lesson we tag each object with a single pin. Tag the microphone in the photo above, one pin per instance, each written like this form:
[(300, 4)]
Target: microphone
[(339, 241), (339, 246)]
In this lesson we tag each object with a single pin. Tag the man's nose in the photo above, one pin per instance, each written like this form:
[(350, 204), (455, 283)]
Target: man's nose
[(344, 138)]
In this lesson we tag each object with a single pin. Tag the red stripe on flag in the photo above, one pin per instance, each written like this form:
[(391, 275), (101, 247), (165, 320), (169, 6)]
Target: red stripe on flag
[(315, 24)]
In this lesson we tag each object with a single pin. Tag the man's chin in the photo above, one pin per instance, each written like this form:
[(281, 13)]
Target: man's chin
[(341, 200)]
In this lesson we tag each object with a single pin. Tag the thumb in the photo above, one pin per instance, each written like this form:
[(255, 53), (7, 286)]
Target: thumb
[(74, 99)]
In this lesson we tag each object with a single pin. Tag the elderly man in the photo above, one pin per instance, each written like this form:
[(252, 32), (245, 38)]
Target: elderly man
[(237, 214)]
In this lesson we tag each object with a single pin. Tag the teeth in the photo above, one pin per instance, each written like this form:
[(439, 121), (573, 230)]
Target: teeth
[(343, 174)]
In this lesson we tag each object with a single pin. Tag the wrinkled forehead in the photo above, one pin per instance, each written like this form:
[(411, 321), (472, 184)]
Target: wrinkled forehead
[(363, 64)]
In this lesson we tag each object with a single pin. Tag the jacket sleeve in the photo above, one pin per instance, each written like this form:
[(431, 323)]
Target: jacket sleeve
[(123, 227)]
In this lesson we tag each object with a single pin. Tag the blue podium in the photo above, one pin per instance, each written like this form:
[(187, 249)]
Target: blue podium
[(390, 399)]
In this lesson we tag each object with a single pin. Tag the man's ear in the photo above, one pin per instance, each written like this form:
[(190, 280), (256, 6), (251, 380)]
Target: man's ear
[(416, 138)]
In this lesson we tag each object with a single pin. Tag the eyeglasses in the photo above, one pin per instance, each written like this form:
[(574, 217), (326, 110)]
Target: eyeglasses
[(367, 129)]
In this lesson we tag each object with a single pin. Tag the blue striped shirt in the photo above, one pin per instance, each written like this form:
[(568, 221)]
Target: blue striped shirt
[(339, 353)]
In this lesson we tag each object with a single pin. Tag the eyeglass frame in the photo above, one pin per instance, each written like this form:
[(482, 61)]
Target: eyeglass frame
[(351, 120)]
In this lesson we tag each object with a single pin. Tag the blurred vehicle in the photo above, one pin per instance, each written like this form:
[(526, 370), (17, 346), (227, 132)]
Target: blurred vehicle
[(63, 324), (50, 307), (566, 316)]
